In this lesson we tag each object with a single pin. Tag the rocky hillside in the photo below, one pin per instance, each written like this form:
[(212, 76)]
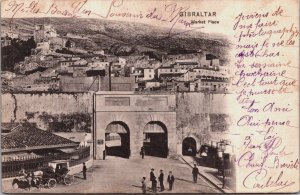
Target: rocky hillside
[(124, 38)]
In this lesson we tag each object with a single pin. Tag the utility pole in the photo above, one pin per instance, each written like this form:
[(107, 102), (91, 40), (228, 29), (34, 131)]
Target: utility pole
[(99, 82), (109, 75)]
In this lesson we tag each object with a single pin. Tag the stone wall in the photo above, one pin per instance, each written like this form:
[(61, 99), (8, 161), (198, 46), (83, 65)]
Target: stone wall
[(202, 116), (84, 84), (45, 108)]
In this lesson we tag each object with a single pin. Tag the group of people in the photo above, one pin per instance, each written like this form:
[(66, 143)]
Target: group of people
[(170, 180)]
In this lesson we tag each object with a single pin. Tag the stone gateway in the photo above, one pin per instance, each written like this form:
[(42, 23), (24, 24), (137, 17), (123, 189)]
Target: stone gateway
[(126, 121)]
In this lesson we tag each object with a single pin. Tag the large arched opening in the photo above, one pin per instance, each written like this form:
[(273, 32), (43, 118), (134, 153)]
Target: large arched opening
[(117, 139), (155, 139), (189, 147)]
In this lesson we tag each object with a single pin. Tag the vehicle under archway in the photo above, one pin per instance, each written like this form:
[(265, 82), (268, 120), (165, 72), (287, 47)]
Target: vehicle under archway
[(117, 139), (189, 147)]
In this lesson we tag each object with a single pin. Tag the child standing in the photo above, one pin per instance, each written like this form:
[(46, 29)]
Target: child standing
[(144, 185)]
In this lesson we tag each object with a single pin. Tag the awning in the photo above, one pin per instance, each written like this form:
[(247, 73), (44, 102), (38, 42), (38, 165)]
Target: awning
[(19, 156)]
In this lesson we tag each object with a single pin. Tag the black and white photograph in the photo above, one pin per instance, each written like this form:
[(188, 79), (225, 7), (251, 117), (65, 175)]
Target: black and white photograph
[(146, 97)]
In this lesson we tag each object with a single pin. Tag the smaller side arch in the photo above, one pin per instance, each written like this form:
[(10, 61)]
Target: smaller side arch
[(189, 146)]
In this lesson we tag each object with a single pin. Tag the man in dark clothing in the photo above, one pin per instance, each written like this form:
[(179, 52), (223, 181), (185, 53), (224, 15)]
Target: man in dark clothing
[(161, 181), (143, 152), (195, 173), (57, 168), (104, 154), (170, 180), (152, 178), (84, 171)]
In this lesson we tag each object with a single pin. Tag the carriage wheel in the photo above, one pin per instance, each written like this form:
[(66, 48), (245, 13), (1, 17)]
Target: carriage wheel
[(68, 180), (51, 183)]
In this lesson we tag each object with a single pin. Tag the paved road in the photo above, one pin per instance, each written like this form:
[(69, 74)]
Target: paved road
[(117, 175)]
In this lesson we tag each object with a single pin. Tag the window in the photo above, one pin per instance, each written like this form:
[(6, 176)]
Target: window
[(150, 76)]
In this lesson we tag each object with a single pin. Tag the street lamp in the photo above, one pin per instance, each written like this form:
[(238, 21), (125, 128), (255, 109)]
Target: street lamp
[(221, 155)]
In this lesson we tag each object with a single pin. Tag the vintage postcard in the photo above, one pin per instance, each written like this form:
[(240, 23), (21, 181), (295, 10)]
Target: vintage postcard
[(129, 96)]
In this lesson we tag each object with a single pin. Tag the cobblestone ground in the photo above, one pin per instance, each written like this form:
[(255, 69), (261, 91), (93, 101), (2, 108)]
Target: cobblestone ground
[(119, 175)]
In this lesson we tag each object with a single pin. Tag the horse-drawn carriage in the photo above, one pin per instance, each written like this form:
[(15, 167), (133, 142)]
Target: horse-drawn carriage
[(46, 176)]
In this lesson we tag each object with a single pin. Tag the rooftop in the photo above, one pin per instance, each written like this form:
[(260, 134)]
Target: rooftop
[(206, 68), (210, 57), (147, 81), (214, 80), (7, 127), (8, 143), (68, 61), (78, 65), (178, 74), (187, 63), (166, 67), (28, 137)]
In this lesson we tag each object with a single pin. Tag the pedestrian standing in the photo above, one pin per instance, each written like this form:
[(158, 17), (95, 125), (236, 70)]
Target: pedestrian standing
[(170, 180), (104, 154), (195, 173), (144, 185), (152, 176), (161, 181), (84, 171), (142, 152)]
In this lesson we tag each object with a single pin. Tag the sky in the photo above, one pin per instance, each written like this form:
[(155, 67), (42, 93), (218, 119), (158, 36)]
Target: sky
[(153, 12)]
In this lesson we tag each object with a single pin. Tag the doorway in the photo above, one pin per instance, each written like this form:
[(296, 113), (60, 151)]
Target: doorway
[(155, 139), (117, 140), (189, 147)]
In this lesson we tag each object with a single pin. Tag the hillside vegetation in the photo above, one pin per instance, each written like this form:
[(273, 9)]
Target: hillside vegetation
[(124, 38)]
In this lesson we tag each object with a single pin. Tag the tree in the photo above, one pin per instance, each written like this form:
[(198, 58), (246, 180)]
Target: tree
[(68, 44), (15, 53)]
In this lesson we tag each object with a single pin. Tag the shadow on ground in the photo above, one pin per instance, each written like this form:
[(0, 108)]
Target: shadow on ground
[(194, 183)]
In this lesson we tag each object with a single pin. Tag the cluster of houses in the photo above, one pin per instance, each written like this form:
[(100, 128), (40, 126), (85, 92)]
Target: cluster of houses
[(49, 70)]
